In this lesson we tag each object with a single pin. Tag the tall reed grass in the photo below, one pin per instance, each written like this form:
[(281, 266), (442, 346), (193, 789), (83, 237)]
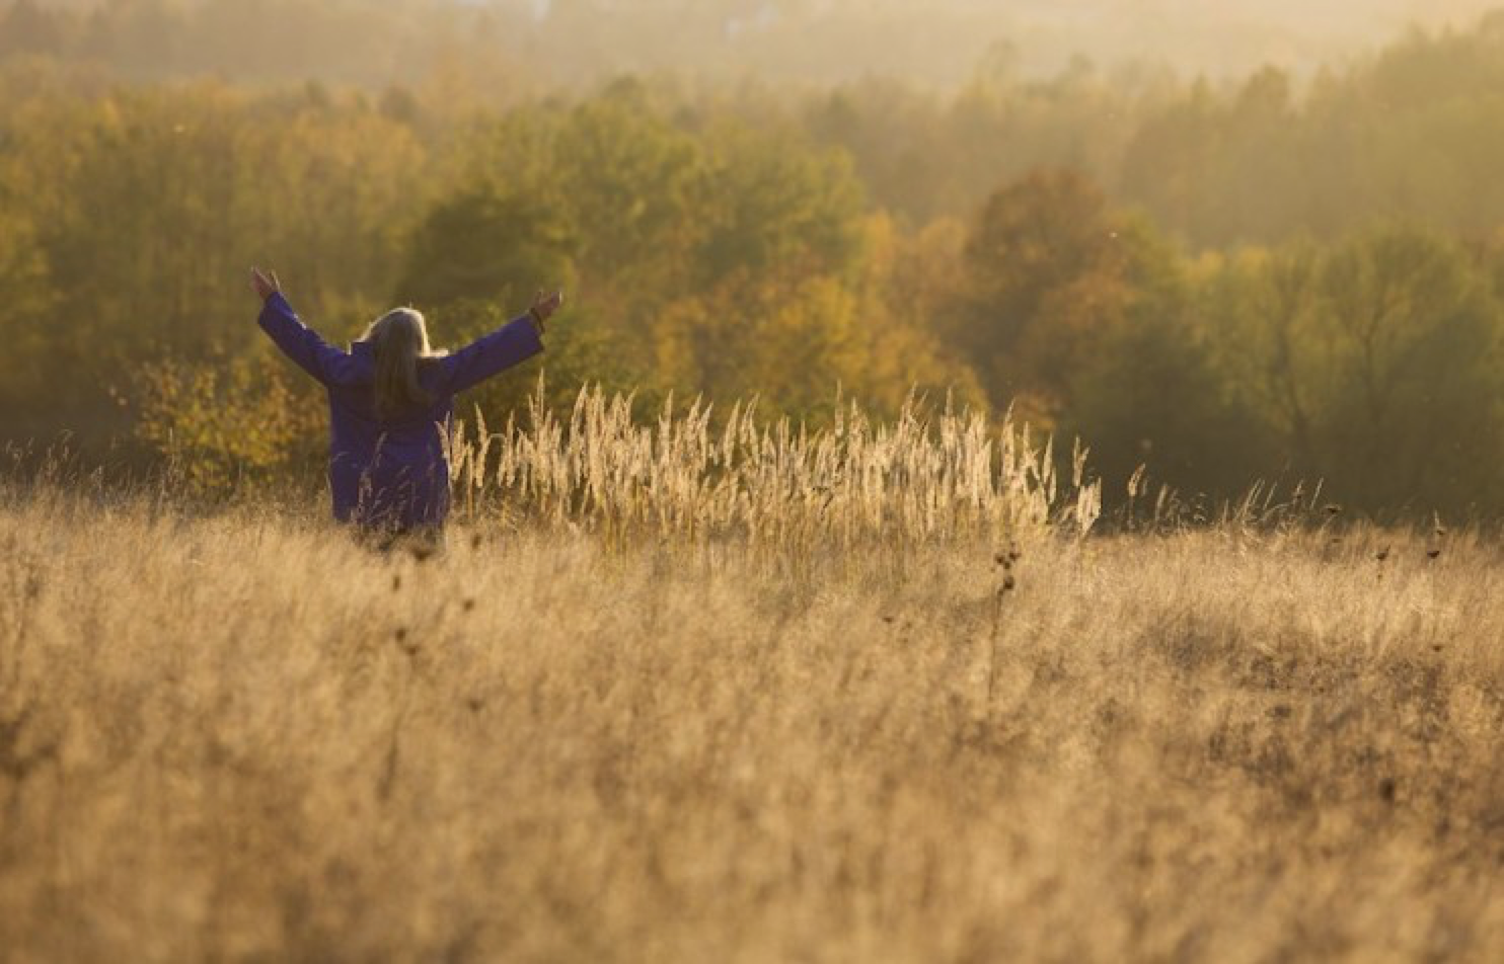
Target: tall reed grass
[(930, 476)]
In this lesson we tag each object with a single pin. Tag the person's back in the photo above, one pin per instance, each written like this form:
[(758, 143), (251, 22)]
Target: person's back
[(390, 402), (388, 469)]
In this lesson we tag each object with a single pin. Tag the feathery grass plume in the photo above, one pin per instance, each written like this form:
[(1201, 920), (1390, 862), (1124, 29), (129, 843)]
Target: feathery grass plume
[(923, 478)]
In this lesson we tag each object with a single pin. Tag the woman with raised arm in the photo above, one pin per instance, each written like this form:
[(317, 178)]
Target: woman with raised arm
[(390, 399)]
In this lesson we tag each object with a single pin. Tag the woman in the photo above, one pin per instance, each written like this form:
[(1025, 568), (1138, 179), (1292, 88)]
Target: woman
[(390, 400)]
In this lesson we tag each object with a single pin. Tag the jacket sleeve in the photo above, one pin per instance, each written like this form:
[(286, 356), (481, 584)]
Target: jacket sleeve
[(509, 345), (299, 342)]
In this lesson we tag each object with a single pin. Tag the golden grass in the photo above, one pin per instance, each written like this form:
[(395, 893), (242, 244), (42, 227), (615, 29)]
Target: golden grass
[(926, 477), (241, 737)]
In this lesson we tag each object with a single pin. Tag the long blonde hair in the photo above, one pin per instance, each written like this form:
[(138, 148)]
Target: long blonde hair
[(400, 341)]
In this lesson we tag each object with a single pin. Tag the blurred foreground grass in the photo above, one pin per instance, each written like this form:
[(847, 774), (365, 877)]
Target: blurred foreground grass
[(241, 737)]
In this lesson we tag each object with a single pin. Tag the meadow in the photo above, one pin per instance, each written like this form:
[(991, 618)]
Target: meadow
[(696, 693)]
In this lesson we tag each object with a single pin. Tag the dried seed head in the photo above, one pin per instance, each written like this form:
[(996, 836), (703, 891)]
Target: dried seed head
[(1009, 584), (468, 605), (1433, 553), (476, 541), (1382, 554), (1333, 508), (396, 581)]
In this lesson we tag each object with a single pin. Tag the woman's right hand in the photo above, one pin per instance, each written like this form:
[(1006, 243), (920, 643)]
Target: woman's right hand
[(265, 284)]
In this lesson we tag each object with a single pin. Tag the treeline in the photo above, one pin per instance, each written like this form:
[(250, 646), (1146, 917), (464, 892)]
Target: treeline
[(1257, 320), (1405, 133), (1412, 133), (714, 255)]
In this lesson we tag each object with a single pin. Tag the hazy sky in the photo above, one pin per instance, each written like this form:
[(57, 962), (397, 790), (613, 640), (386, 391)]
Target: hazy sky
[(1204, 34), (937, 41), (942, 39)]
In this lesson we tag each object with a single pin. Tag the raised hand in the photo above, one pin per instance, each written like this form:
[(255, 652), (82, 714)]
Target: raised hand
[(546, 305), (265, 284)]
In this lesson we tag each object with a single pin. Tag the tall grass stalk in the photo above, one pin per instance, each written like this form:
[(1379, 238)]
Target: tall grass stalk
[(925, 478)]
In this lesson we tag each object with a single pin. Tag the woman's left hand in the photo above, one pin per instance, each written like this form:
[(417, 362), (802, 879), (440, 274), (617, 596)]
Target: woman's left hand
[(546, 305)]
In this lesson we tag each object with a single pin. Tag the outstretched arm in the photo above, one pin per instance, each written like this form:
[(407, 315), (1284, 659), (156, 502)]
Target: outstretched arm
[(509, 345), (297, 341)]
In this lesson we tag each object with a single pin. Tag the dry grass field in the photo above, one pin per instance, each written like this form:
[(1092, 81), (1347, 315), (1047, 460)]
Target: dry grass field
[(237, 735)]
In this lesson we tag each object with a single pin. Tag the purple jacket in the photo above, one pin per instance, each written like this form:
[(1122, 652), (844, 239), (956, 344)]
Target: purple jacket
[(392, 472)]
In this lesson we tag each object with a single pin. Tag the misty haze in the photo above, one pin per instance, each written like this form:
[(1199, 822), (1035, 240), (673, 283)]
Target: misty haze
[(554, 480), (934, 42)]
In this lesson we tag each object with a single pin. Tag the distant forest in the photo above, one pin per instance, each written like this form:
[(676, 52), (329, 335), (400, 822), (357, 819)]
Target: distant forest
[(1277, 275)]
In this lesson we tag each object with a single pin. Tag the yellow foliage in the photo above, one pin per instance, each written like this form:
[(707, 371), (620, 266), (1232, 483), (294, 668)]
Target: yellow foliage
[(219, 423)]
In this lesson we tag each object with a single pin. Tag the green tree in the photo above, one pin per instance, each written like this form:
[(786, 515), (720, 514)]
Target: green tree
[(26, 304), (771, 202), (1153, 397), (145, 207), (1376, 364), (712, 257), (1416, 418), (1049, 268), (482, 247)]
